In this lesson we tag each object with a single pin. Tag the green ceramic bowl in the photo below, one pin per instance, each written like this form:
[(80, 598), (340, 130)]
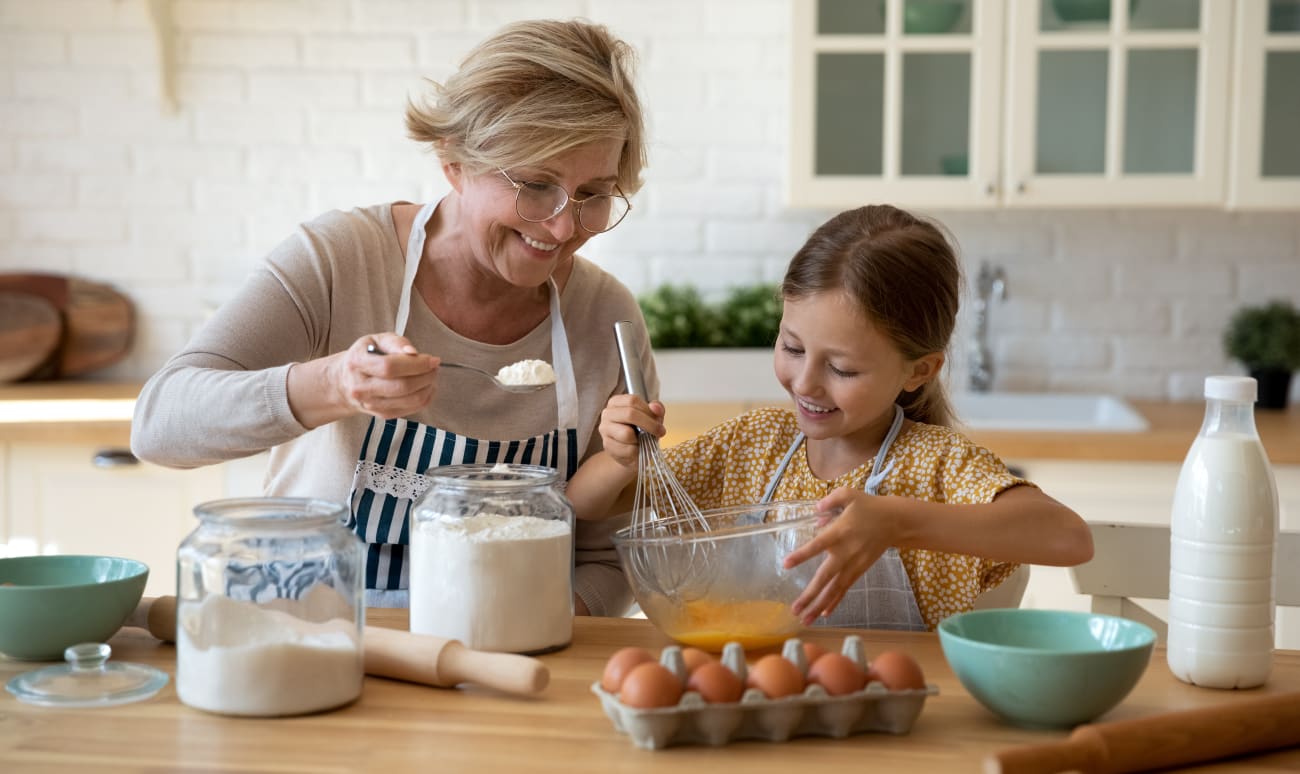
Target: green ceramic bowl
[(1046, 668), (50, 602)]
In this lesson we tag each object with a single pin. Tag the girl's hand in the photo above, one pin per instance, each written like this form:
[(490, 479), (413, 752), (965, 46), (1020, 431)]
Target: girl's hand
[(853, 541), (622, 415), (392, 380)]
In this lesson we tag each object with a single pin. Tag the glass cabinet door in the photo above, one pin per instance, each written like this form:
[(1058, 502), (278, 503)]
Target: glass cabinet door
[(896, 100), (1116, 102), (1266, 137)]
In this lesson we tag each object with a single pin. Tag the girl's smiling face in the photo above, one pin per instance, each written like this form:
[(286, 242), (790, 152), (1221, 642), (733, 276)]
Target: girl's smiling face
[(523, 253), (841, 370)]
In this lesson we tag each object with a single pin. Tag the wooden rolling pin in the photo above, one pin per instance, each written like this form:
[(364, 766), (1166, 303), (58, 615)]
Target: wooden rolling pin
[(1162, 741), (392, 653)]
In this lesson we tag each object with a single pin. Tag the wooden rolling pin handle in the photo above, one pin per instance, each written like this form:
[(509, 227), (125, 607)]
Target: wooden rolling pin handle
[(162, 618), (1163, 741), (420, 658), (157, 615), (1077, 753)]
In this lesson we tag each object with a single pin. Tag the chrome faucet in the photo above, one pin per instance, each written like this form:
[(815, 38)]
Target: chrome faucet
[(989, 284)]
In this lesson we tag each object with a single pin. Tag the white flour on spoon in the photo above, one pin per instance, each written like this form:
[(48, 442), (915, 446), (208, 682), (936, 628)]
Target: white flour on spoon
[(527, 372)]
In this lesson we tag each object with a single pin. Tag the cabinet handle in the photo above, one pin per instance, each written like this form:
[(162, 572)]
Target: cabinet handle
[(114, 458), (990, 189), (1020, 187)]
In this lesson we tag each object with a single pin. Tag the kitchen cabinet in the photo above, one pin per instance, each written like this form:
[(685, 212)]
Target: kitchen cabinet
[(1266, 106), (888, 107), (1050, 103), (71, 498)]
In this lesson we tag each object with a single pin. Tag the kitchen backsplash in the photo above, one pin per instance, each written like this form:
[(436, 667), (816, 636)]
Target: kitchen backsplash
[(288, 108)]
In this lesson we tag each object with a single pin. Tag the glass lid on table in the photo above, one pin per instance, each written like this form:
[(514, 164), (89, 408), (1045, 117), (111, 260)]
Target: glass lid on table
[(88, 679)]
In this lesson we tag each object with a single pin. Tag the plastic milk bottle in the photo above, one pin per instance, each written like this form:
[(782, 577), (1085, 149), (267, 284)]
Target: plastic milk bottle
[(1223, 531)]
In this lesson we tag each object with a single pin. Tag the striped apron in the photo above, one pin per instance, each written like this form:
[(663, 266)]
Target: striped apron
[(882, 598), (395, 453)]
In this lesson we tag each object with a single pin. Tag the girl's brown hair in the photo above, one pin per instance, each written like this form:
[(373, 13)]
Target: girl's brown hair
[(903, 272), (534, 90)]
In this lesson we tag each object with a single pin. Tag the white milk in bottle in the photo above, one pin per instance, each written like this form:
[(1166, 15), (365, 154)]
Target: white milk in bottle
[(1222, 534)]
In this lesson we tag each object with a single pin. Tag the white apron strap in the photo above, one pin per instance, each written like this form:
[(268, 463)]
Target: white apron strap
[(414, 252)]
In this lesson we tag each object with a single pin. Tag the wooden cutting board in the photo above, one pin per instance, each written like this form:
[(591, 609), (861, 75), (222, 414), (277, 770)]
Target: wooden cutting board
[(98, 323), (30, 331)]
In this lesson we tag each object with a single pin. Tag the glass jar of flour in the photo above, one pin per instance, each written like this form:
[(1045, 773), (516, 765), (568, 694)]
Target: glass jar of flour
[(269, 608), (492, 558)]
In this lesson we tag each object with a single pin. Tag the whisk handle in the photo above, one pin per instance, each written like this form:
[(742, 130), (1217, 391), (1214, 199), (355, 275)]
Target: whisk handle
[(625, 335)]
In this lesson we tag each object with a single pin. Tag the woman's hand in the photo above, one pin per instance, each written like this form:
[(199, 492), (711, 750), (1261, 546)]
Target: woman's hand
[(853, 541), (393, 381), (619, 421), (390, 385)]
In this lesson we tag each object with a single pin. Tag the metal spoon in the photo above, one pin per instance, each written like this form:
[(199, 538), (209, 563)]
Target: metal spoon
[(375, 350)]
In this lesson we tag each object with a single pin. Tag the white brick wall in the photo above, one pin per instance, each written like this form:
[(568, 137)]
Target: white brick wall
[(297, 105)]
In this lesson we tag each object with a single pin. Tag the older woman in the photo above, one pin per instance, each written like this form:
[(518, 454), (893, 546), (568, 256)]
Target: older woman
[(330, 355)]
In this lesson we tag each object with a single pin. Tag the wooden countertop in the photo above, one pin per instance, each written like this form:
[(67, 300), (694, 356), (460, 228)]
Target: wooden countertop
[(108, 405), (1173, 426), (398, 727)]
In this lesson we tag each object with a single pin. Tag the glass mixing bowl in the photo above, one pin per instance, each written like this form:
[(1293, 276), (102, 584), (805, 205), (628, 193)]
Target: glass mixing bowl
[(721, 580)]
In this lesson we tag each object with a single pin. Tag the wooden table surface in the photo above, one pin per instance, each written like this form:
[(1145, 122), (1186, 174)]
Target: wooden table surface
[(398, 727)]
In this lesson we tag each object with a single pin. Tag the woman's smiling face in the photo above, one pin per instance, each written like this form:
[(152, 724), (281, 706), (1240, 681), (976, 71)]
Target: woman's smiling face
[(522, 253), (841, 370)]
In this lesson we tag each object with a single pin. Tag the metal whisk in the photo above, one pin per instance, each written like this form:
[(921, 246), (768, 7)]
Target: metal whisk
[(663, 514)]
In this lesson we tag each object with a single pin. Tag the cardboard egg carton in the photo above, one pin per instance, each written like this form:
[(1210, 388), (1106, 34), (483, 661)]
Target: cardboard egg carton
[(813, 712)]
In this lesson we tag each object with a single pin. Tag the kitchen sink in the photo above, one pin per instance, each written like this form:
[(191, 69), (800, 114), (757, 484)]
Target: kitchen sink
[(1047, 411)]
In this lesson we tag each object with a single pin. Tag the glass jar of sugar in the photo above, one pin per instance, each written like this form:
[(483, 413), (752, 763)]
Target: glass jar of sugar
[(269, 608), (492, 558)]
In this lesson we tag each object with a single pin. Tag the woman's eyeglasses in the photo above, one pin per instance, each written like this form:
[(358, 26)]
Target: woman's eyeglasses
[(539, 202)]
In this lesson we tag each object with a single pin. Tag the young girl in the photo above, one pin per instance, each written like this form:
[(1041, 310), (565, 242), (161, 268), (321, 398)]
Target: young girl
[(927, 520)]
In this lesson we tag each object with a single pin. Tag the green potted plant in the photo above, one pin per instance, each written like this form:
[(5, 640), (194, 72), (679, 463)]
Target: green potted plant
[(677, 316), (750, 316), (714, 350), (1266, 339)]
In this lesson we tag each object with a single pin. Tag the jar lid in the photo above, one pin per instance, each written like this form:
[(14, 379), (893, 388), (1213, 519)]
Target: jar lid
[(1235, 388), (87, 680), (500, 475)]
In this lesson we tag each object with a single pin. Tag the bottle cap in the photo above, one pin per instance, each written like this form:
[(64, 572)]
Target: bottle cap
[(1236, 388)]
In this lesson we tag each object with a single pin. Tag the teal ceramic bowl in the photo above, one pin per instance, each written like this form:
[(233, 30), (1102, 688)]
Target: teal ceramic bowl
[(1046, 668), (50, 602)]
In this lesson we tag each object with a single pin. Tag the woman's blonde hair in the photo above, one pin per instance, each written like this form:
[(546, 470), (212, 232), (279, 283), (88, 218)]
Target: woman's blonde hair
[(903, 272), (532, 91)]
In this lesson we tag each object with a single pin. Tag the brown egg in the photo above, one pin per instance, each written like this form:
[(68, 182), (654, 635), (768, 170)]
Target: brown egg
[(838, 674), (650, 684), (812, 651), (897, 670), (775, 677), (695, 658), (716, 683), (620, 664)]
